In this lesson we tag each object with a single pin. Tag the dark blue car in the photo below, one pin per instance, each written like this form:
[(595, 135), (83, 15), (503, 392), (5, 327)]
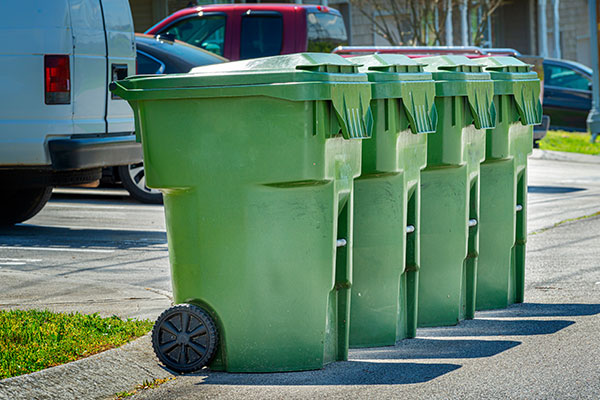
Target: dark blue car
[(567, 94)]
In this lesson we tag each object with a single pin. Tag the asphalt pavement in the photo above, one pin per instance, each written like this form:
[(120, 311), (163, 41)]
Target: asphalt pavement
[(88, 251), (108, 254)]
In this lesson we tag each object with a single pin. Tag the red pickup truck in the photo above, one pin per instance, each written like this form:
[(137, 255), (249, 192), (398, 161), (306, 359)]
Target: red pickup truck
[(241, 31)]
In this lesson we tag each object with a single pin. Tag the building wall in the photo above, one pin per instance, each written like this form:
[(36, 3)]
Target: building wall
[(574, 31), (512, 27), (143, 14), (148, 12)]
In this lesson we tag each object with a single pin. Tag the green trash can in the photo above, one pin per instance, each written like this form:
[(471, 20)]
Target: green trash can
[(450, 190), (256, 161), (387, 200), (503, 204)]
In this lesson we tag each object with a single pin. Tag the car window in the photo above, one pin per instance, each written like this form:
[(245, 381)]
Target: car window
[(206, 32), (146, 64), (563, 77), (325, 31), (262, 35), (188, 53)]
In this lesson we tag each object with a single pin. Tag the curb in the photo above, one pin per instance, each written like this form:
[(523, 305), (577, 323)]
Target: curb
[(564, 156), (99, 376)]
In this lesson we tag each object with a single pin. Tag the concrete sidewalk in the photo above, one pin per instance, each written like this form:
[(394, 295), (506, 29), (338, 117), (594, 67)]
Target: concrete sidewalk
[(546, 348)]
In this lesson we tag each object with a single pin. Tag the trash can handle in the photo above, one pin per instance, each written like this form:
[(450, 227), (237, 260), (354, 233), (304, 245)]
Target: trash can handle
[(480, 95), (351, 103), (419, 104), (527, 98)]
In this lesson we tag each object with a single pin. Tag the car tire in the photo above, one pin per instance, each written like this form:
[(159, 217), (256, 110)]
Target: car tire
[(133, 179), (20, 204)]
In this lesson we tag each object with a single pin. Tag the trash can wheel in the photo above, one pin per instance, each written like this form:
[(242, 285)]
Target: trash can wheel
[(184, 338)]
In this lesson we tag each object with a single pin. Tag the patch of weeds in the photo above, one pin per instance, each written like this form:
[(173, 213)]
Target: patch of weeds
[(146, 385)]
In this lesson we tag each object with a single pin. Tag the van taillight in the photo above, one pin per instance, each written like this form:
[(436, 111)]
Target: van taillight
[(57, 79)]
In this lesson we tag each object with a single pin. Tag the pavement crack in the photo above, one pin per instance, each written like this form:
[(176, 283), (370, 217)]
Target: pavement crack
[(88, 301), (596, 214), (168, 295)]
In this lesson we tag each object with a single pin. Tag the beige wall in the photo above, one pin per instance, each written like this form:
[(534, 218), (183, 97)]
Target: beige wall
[(148, 12), (574, 27)]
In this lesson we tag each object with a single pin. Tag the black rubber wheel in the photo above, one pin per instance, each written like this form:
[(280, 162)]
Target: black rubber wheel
[(18, 205), (134, 180), (185, 338)]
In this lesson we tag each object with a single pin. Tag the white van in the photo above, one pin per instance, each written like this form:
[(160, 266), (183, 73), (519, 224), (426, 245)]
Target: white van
[(59, 123)]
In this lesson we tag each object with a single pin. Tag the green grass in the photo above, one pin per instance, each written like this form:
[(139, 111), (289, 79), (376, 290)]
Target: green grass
[(571, 142), (33, 340)]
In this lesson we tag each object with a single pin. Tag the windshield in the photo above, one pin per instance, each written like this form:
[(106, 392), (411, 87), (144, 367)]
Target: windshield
[(206, 31), (325, 31)]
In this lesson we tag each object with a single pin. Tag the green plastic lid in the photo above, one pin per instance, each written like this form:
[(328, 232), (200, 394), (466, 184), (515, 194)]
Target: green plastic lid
[(295, 77), (512, 76), (461, 76), (397, 76), (303, 67)]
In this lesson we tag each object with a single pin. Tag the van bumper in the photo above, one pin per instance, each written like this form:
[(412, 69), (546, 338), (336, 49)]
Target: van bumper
[(94, 152)]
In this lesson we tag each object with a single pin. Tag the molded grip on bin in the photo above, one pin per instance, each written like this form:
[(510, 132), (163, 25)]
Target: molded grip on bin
[(328, 68), (527, 98), (352, 107), (480, 95), (419, 105)]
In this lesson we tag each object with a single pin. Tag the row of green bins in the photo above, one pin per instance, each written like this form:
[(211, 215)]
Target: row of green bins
[(450, 186), (387, 200), (503, 208), (280, 259), (256, 160)]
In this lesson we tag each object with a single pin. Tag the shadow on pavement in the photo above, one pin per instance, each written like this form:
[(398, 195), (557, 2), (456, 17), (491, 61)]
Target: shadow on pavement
[(93, 195), (339, 373), (411, 349), (492, 327), (553, 189), (542, 310), (33, 235)]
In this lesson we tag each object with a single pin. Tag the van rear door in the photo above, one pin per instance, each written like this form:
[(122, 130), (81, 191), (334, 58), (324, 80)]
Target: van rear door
[(88, 67), (121, 62)]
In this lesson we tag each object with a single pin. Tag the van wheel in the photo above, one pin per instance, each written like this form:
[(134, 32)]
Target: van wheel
[(134, 180), (185, 338), (18, 205)]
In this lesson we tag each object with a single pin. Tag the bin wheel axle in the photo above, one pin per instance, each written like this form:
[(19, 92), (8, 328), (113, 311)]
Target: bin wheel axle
[(184, 338)]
